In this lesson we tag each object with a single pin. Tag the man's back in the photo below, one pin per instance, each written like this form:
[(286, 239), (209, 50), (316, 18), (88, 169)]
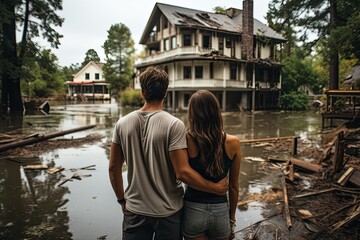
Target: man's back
[(146, 139)]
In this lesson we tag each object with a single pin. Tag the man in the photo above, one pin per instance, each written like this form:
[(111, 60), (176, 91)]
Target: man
[(153, 144)]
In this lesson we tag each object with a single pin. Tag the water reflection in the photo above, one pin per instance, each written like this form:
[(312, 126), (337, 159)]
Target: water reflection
[(33, 207)]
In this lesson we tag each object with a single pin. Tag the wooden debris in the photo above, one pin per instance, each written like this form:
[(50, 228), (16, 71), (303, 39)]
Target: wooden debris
[(312, 167), (291, 172), (35, 167), (305, 214), (286, 203), (245, 202), (295, 143), (41, 138), (255, 159), (91, 167), (55, 170), (314, 193), (353, 216), (345, 177), (339, 153)]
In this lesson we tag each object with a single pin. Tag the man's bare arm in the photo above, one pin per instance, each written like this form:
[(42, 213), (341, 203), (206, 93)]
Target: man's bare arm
[(115, 170), (186, 174)]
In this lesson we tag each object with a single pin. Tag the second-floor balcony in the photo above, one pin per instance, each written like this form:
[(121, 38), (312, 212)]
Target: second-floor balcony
[(181, 51)]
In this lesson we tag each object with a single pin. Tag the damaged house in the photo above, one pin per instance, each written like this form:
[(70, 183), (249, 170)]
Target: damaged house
[(232, 55)]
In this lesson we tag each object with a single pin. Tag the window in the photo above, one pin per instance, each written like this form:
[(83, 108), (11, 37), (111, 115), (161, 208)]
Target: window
[(206, 41), (173, 42), (211, 70), (228, 43), (187, 40), (221, 45), (166, 69), (232, 71), (97, 76), (259, 51), (198, 71), (165, 23), (186, 99), (166, 45), (87, 76), (187, 72)]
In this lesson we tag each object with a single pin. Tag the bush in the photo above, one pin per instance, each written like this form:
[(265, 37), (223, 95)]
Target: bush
[(131, 97), (294, 101)]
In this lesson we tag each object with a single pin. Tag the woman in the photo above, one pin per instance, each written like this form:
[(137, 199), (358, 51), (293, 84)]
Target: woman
[(214, 154)]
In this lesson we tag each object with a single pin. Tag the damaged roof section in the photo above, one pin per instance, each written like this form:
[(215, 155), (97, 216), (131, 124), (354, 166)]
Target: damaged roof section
[(186, 17)]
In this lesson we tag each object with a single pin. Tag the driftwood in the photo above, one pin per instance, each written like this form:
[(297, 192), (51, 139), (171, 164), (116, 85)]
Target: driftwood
[(41, 138), (286, 203), (55, 170), (306, 165)]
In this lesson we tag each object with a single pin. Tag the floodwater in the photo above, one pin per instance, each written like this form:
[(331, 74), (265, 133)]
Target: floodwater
[(33, 206)]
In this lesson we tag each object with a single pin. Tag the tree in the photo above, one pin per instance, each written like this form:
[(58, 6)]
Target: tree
[(35, 17), (119, 50), (325, 18), (91, 55)]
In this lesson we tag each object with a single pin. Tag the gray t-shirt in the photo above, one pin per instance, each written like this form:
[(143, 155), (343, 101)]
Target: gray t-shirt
[(146, 139)]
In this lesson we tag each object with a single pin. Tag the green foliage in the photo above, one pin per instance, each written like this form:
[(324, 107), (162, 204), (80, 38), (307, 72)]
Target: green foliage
[(219, 9), (131, 97), (43, 77), (294, 101), (119, 51), (299, 71), (91, 55)]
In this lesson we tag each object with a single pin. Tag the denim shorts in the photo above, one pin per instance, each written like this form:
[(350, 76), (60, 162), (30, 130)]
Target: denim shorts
[(212, 220)]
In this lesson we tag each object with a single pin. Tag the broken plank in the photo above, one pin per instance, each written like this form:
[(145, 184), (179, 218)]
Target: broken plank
[(339, 153), (41, 138), (314, 193), (345, 177), (313, 167), (35, 167), (291, 172), (55, 170), (286, 203)]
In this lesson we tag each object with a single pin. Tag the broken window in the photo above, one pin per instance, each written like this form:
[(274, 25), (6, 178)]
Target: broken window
[(221, 45)]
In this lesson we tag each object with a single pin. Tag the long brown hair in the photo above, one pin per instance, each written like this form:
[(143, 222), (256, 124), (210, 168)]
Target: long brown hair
[(206, 129)]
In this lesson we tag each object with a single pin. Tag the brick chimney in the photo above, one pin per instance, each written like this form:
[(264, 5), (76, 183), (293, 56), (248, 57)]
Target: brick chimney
[(247, 29)]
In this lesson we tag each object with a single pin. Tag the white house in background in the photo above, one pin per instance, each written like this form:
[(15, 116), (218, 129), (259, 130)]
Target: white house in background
[(232, 55), (88, 84)]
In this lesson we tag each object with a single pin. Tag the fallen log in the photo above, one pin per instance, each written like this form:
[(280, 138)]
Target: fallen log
[(41, 138), (306, 165)]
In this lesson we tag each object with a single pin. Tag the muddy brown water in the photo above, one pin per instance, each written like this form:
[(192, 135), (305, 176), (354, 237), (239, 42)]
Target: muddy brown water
[(33, 206)]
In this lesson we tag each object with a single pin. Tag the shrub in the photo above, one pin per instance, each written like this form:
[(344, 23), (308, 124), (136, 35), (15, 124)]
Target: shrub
[(131, 97), (294, 101)]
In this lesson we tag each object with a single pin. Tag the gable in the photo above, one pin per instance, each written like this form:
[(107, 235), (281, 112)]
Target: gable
[(91, 68)]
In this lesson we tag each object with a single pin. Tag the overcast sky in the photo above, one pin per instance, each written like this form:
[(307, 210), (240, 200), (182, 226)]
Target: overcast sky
[(87, 22)]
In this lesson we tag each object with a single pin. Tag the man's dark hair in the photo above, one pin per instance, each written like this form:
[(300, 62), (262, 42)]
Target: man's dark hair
[(154, 83)]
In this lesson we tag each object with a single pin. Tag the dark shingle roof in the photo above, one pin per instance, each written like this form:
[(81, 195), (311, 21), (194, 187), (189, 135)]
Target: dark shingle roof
[(186, 17)]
